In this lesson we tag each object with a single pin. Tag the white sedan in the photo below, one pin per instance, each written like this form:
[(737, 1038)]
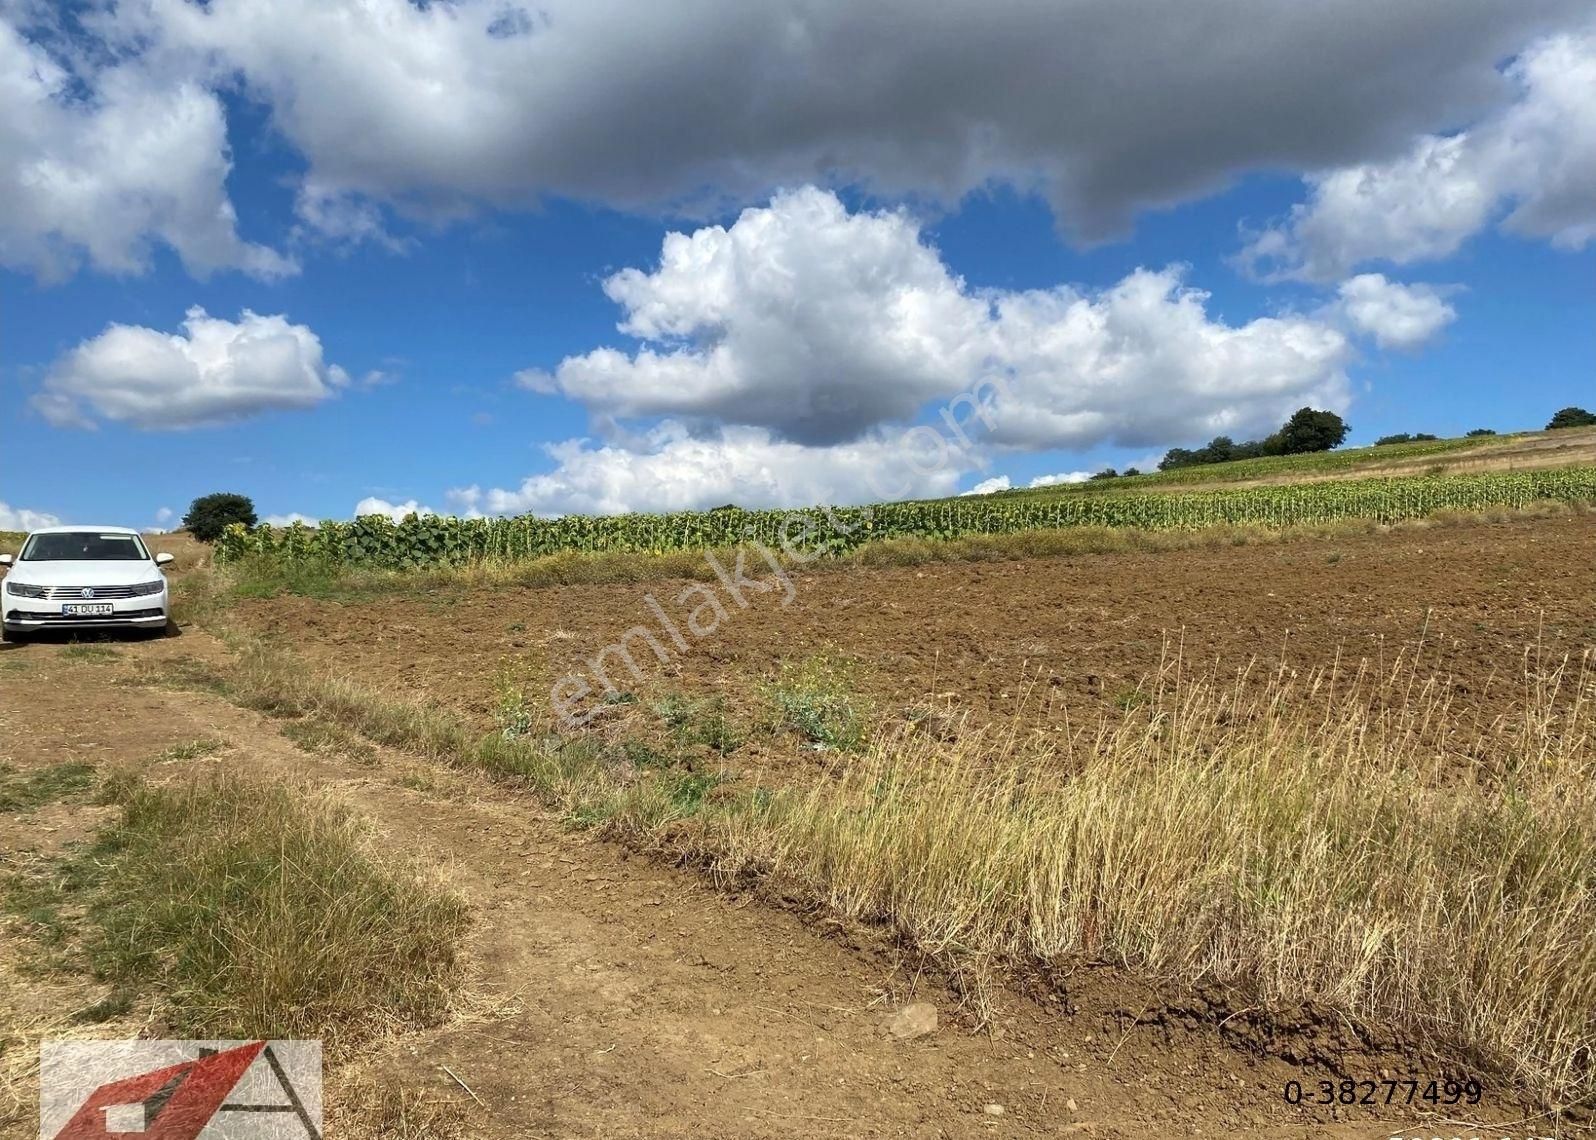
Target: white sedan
[(79, 577)]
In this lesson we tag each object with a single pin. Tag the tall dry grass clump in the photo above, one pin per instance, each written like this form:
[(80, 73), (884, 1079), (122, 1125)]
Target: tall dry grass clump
[(1355, 842), (256, 910)]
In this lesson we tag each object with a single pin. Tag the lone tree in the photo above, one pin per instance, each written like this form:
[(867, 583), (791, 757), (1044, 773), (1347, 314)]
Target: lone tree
[(1572, 417), (209, 515), (1309, 430)]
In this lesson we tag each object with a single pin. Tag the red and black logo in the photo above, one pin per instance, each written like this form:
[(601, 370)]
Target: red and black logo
[(178, 1101)]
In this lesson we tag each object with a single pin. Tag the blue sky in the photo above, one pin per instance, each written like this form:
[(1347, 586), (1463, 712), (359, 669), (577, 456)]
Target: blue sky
[(412, 282)]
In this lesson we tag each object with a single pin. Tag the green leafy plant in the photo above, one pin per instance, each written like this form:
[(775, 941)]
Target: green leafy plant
[(816, 698)]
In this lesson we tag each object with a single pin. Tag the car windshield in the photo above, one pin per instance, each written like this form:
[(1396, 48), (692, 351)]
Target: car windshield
[(84, 546)]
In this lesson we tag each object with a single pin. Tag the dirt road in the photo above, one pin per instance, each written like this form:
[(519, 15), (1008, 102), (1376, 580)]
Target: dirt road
[(613, 997)]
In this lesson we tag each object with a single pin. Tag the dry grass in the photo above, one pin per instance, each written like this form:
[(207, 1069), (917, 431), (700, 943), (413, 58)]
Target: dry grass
[(27, 790), (1354, 841), (252, 911), (1282, 838), (388, 1109)]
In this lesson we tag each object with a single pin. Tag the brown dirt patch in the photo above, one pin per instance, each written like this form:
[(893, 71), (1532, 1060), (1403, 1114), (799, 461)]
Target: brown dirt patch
[(1041, 639)]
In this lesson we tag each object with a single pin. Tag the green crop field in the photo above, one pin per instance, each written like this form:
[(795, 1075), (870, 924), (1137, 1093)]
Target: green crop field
[(375, 541), (1307, 466)]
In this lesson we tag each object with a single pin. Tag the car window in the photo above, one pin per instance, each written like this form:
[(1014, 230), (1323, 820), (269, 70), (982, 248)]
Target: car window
[(84, 546)]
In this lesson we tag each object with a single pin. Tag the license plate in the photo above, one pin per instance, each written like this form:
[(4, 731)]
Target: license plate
[(88, 609)]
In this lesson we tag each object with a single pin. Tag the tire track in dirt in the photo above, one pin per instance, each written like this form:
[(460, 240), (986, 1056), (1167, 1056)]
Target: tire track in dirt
[(614, 997)]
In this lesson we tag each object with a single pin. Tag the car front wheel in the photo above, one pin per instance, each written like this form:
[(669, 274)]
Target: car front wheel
[(10, 635)]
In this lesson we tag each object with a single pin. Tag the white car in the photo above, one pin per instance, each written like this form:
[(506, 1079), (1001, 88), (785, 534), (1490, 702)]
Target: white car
[(83, 577)]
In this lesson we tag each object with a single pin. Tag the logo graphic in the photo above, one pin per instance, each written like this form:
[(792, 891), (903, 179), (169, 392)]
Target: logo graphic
[(88, 592), (180, 1090)]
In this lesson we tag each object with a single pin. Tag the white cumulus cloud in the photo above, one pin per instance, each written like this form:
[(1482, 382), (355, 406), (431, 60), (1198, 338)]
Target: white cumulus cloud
[(398, 512), (671, 469), (288, 519), (1142, 363), (784, 356), (1003, 483), (1062, 477), (1531, 165), (214, 371), (800, 317), (820, 325), (989, 486), (19, 518), (1395, 315), (104, 162)]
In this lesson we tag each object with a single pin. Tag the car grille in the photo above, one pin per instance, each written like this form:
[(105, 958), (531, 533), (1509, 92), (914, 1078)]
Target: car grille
[(100, 593)]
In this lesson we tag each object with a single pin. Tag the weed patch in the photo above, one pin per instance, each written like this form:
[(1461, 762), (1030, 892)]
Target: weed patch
[(192, 750), (326, 737), (816, 698), (25, 791), (89, 653), (252, 911)]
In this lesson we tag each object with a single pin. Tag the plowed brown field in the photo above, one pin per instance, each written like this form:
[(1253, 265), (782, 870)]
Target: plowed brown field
[(1037, 637)]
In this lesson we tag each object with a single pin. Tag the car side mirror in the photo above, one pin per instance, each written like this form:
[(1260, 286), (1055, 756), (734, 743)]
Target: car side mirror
[(164, 559), (5, 560)]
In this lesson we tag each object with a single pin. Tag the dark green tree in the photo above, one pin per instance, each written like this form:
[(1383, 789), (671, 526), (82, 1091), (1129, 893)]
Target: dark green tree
[(1310, 430), (1220, 449), (209, 515), (1178, 457), (1572, 417), (1477, 432)]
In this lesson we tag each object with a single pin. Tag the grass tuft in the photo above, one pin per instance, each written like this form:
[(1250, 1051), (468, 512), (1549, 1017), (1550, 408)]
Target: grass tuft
[(326, 737), (191, 750), (96, 653), (390, 1110), (254, 911), (25, 791)]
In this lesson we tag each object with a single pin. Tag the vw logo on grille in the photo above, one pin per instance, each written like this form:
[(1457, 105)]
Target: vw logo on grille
[(87, 592)]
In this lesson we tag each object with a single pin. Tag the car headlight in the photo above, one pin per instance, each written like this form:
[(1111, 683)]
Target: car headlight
[(143, 588), (23, 589)]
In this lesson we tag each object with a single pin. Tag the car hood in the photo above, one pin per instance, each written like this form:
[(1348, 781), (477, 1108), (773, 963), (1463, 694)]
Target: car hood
[(83, 573)]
